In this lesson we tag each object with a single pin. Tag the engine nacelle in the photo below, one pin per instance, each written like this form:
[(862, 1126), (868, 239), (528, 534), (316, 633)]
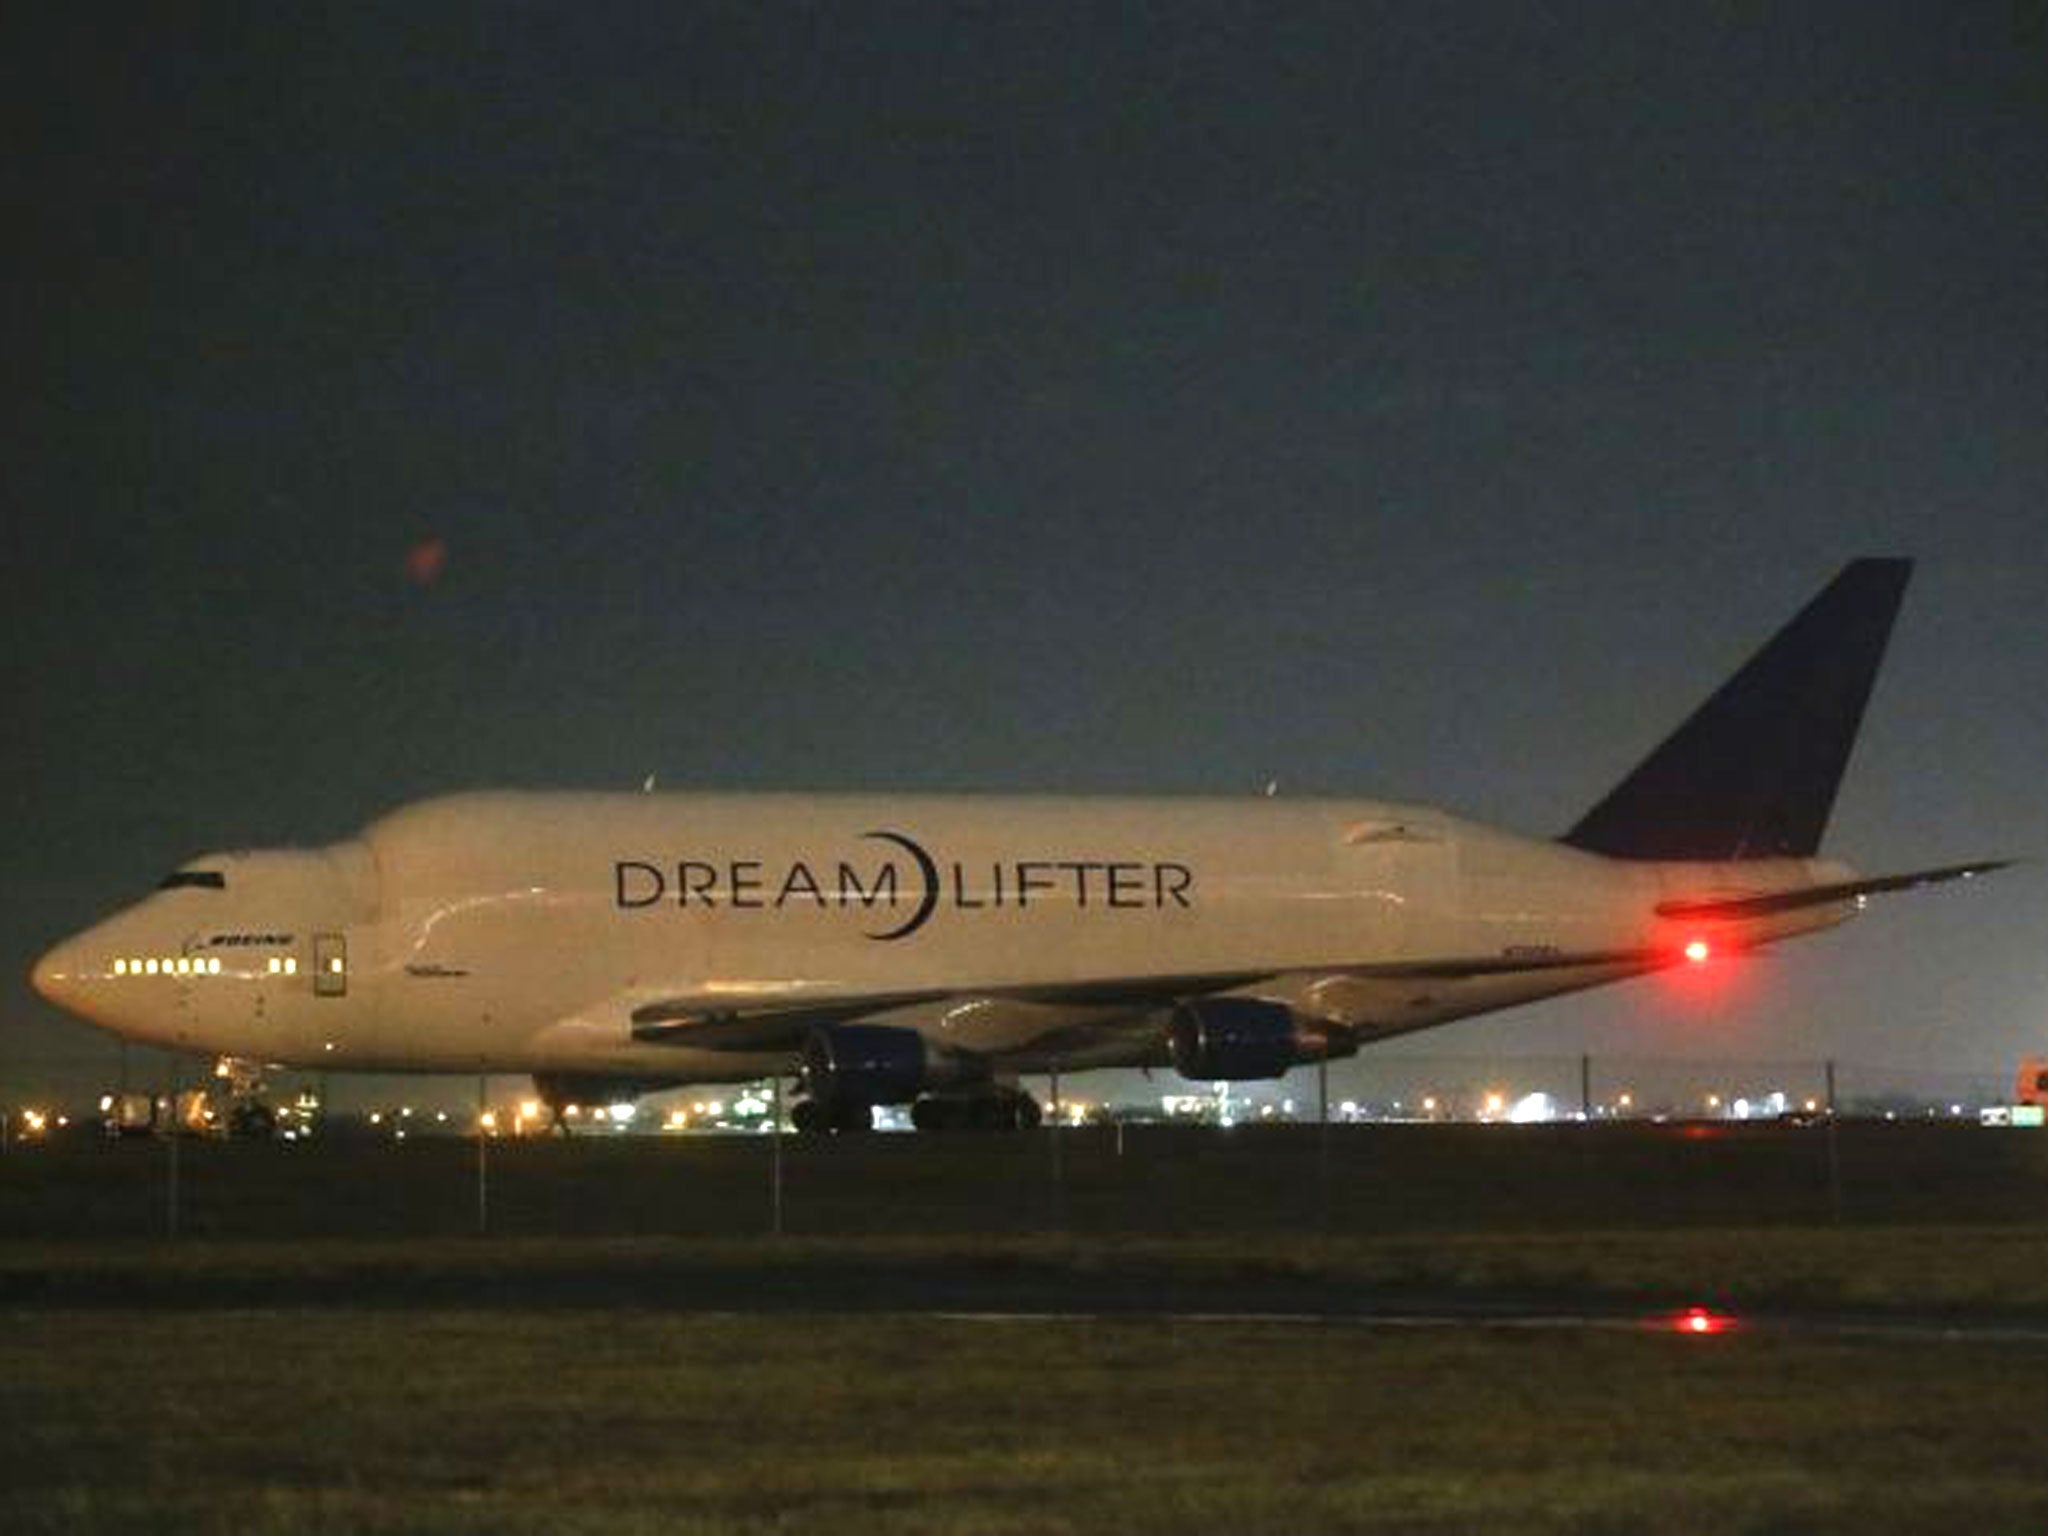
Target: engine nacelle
[(877, 1064), (1233, 1039)]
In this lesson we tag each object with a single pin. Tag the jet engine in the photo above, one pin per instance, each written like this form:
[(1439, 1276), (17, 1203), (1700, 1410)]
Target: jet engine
[(878, 1064), (1233, 1039)]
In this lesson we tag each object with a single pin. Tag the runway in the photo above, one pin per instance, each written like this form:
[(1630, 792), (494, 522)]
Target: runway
[(1694, 1322)]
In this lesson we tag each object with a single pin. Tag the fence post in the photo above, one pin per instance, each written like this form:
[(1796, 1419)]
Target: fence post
[(483, 1172), (775, 1162), (1059, 1172), (1834, 1152), (1323, 1135), (175, 1133)]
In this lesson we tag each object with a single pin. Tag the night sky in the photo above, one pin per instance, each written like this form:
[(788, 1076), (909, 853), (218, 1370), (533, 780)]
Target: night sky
[(1425, 401)]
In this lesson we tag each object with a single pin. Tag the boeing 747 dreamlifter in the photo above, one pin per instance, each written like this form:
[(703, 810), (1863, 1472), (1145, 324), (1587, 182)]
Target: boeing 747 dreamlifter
[(927, 949)]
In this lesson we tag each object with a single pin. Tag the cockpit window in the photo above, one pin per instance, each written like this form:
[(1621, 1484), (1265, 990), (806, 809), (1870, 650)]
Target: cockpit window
[(209, 879)]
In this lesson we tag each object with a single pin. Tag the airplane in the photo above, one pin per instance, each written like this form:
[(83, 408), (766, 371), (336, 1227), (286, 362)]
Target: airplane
[(929, 949)]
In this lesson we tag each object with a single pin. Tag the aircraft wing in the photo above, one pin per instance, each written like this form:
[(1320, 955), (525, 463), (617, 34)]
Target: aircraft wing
[(980, 1018), (767, 1024)]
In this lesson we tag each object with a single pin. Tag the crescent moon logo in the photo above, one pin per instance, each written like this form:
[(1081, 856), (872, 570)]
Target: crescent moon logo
[(930, 874)]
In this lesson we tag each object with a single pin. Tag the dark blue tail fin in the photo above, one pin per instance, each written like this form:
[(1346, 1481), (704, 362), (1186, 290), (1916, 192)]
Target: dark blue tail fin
[(1752, 774)]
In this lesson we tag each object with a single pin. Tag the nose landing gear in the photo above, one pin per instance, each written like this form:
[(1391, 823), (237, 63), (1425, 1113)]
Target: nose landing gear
[(247, 1116)]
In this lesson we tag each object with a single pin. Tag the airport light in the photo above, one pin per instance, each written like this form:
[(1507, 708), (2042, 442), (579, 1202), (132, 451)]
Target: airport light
[(1495, 1103), (1699, 1322)]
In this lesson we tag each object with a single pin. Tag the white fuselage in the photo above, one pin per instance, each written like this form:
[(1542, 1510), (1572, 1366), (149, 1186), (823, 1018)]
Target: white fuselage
[(528, 931)]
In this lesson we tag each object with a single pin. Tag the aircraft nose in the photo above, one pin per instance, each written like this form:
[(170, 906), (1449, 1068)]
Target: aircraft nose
[(55, 976)]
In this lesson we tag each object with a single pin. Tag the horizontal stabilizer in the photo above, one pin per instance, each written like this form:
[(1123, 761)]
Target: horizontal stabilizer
[(1822, 895)]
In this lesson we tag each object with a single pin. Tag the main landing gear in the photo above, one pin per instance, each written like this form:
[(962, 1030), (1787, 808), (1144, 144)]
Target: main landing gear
[(1006, 1109), (831, 1117), (1001, 1109)]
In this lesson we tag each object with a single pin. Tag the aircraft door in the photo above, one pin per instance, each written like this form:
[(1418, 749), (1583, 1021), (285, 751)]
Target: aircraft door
[(330, 965)]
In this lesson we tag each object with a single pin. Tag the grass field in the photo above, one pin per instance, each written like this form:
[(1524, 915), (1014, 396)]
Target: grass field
[(325, 1350), (1157, 1180)]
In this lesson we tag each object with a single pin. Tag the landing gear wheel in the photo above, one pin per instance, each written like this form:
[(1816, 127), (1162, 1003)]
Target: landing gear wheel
[(931, 1113), (831, 1117), (1001, 1110), (252, 1121), (852, 1119)]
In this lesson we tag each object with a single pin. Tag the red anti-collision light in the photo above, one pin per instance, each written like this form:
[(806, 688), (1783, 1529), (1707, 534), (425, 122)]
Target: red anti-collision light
[(1698, 951)]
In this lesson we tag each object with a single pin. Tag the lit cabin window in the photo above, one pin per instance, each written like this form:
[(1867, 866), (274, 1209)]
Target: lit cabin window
[(213, 967), (204, 879), (276, 965), (291, 966), (120, 967), (149, 966)]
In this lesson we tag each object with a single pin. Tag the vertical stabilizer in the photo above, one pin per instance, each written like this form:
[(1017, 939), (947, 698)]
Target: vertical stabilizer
[(1753, 773)]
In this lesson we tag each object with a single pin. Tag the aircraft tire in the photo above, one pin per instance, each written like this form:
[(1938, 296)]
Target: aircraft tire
[(932, 1113), (851, 1119)]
